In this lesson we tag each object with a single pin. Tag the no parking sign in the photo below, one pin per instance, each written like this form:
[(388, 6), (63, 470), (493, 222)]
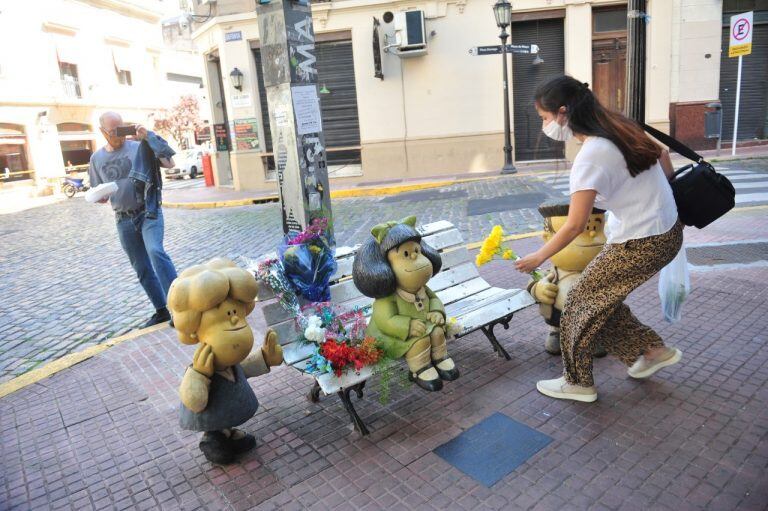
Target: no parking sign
[(741, 35), (740, 45)]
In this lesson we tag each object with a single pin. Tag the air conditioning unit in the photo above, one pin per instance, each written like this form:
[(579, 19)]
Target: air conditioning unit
[(410, 34)]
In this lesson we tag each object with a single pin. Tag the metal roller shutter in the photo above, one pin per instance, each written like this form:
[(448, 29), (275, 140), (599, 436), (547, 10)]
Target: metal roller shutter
[(530, 142), (336, 75), (753, 106)]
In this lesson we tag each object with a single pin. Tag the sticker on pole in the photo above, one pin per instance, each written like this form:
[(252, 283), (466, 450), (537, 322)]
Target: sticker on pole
[(741, 35)]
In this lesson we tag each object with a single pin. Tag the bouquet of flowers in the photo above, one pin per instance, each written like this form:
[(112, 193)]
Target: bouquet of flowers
[(308, 261), (493, 247), (272, 273), (340, 339)]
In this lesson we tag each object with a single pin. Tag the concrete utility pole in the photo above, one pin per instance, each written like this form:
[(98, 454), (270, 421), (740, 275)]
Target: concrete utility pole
[(634, 104), (290, 77)]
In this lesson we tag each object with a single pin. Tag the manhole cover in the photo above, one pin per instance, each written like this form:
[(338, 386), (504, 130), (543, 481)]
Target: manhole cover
[(505, 203), (426, 195), (735, 253)]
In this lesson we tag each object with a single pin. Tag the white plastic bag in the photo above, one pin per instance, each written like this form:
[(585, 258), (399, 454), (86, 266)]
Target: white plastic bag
[(103, 191), (674, 286)]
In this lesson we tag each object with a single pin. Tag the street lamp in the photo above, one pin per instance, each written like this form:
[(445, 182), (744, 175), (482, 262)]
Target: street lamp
[(237, 79), (502, 10)]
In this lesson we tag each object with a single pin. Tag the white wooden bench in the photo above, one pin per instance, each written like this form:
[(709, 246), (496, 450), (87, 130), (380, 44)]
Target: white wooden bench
[(466, 296)]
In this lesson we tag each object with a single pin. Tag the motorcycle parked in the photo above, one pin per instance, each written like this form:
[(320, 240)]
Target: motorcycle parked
[(70, 186)]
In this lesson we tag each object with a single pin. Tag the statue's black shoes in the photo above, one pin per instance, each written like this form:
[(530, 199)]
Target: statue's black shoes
[(429, 385), (245, 443), (446, 374), (217, 448)]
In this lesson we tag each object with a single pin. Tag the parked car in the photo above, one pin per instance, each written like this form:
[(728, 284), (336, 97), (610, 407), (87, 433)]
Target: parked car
[(187, 163)]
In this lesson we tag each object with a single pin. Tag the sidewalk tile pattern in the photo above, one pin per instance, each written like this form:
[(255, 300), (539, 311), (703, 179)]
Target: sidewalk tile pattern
[(104, 434)]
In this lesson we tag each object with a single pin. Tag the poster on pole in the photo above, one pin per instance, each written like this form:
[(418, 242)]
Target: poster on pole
[(306, 107), (741, 35)]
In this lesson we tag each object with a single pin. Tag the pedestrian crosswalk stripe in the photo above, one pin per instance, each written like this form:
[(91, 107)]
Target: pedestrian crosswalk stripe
[(742, 180), (736, 172), (742, 198), (750, 177), (758, 184)]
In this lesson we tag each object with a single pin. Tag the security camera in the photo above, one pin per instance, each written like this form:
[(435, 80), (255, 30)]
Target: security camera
[(184, 21)]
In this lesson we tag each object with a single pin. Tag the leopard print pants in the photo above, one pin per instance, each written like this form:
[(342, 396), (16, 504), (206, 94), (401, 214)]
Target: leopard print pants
[(594, 311)]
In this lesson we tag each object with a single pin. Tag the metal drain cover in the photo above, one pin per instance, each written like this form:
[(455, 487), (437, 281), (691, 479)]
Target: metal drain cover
[(734, 253)]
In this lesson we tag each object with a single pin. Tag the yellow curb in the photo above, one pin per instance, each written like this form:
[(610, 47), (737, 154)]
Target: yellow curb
[(68, 361), (348, 193), (751, 208)]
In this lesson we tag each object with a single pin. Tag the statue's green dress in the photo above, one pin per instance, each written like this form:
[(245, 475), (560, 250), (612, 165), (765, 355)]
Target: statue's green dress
[(391, 321)]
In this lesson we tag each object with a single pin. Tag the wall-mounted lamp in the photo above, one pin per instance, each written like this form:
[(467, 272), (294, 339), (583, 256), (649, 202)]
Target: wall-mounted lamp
[(538, 60), (237, 79), (324, 90)]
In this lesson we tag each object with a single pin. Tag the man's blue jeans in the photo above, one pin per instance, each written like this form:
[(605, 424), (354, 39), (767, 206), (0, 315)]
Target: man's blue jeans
[(142, 240)]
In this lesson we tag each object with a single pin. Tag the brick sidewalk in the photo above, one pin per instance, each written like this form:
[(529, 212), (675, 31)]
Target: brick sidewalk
[(104, 434)]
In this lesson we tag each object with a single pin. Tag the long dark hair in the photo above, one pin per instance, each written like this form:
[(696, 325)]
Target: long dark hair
[(371, 271), (587, 116)]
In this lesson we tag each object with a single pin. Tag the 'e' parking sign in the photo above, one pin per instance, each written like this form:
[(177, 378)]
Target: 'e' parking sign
[(741, 35)]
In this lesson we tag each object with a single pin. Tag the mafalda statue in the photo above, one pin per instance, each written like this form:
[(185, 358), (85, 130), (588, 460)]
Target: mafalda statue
[(550, 292), (408, 319), (209, 303)]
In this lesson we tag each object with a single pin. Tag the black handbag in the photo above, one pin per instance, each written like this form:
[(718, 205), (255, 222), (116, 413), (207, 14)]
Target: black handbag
[(701, 194)]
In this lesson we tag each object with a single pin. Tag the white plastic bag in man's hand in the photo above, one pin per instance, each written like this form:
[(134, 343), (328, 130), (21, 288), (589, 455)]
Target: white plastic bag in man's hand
[(674, 286)]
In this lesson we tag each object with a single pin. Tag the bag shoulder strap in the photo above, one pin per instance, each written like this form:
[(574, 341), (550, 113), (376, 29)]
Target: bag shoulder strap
[(674, 144)]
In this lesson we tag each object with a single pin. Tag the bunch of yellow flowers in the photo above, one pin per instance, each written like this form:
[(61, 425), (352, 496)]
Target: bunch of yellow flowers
[(493, 245)]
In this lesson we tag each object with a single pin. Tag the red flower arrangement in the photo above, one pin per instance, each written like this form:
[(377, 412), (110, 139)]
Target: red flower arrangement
[(340, 354)]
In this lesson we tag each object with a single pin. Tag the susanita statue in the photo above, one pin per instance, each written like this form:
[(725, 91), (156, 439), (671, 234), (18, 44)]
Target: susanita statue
[(209, 304), (393, 266)]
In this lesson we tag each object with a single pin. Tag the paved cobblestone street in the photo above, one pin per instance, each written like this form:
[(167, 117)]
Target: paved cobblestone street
[(66, 283)]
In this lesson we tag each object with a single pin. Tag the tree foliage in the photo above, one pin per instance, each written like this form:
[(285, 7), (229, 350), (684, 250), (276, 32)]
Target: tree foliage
[(181, 120)]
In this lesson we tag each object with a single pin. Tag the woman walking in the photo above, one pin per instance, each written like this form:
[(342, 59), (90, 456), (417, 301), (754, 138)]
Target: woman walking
[(621, 170)]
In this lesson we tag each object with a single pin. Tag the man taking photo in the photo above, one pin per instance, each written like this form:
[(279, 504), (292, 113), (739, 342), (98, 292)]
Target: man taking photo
[(133, 166)]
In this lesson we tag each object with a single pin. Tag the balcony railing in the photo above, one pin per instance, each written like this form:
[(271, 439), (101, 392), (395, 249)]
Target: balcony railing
[(71, 88)]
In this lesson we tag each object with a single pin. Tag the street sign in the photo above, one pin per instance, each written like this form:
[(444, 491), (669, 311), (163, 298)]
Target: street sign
[(741, 35), (740, 44), (233, 36), (479, 51)]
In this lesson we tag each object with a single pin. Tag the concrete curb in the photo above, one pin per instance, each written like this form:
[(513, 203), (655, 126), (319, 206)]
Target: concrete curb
[(68, 361)]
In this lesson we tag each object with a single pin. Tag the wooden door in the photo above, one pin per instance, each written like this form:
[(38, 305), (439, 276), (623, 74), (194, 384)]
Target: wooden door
[(609, 65)]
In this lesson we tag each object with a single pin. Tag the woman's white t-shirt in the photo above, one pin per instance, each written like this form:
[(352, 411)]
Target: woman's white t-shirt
[(639, 206)]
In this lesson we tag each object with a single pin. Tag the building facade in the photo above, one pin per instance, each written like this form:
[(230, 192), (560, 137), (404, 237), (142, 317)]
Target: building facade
[(64, 63), (440, 113)]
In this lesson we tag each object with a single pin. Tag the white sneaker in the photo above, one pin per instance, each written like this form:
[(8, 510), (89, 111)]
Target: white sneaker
[(561, 389), (643, 368)]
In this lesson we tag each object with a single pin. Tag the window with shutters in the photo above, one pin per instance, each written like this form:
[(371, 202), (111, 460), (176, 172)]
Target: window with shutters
[(338, 102)]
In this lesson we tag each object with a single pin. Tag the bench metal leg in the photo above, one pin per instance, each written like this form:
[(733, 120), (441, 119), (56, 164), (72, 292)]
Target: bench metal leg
[(488, 331), (357, 422), (314, 393)]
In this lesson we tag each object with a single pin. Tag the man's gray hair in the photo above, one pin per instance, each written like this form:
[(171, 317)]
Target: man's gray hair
[(107, 115)]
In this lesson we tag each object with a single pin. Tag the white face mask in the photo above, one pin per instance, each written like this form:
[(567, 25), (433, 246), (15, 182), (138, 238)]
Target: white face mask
[(557, 131)]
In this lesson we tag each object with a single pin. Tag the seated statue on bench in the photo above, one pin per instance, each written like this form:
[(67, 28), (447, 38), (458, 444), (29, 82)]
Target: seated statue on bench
[(209, 303), (550, 292), (408, 319)]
